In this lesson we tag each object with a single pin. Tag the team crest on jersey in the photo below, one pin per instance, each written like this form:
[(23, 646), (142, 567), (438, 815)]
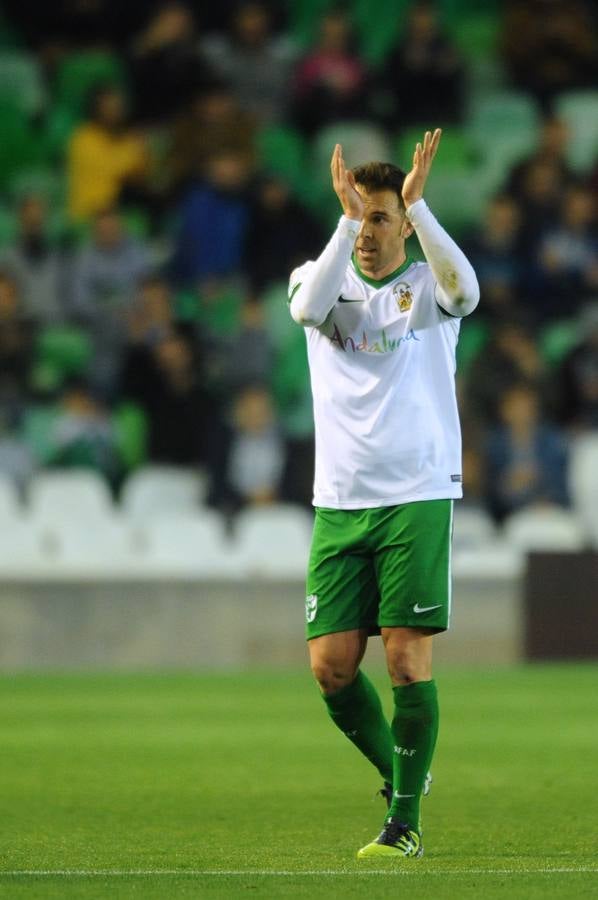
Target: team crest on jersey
[(311, 607), (403, 296)]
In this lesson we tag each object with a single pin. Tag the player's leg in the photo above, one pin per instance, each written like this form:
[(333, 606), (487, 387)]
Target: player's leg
[(351, 699), (341, 609), (413, 567), (415, 720)]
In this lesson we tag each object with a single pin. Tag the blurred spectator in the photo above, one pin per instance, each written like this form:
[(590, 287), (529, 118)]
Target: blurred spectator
[(214, 217), (250, 353), (550, 46), (253, 61), (213, 124), (16, 346), (105, 156), (166, 69), (567, 257), (525, 457), (37, 265), (16, 460), (540, 200), (282, 235), (494, 252), (423, 78), (510, 356), (256, 455), (331, 81), (552, 148), (576, 382), (149, 321), (83, 434), (106, 274)]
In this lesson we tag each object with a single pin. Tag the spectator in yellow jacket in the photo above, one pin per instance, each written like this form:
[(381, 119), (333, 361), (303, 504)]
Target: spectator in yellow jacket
[(106, 157)]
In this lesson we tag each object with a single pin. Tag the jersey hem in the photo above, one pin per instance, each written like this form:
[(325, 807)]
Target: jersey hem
[(386, 501)]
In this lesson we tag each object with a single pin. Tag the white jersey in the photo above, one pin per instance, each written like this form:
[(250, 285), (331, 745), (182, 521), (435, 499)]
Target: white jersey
[(382, 367)]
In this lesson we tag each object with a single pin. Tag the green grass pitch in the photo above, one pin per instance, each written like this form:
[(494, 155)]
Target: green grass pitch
[(225, 785)]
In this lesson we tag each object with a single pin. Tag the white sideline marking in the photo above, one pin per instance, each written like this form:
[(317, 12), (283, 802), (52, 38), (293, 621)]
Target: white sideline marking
[(123, 873)]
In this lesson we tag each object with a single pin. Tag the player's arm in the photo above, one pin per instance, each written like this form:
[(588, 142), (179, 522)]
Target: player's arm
[(458, 291), (314, 290)]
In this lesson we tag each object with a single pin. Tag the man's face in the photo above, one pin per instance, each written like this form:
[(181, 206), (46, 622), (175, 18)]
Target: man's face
[(380, 245)]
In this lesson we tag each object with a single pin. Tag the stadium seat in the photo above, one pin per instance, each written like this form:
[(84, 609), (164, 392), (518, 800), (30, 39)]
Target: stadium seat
[(130, 428), (82, 71), (555, 340), (156, 491), (503, 128), (189, 545), (21, 81), (361, 142), (66, 349), (497, 560), (378, 32), (68, 495), (282, 149), (456, 151), (10, 505), (579, 109), (472, 527), (24, 554), (20, 146), (458, 198), (544, 528), (274, 541), (583, 482), (104, 547)]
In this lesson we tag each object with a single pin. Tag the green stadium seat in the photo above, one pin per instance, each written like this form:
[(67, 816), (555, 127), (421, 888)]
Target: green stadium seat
[(304, 17), (472, 339), (131, 430), (63, 349), (579, 109), (8, 225), (60, 123), (80, 72), (21, 81), (503, 128), (456, 150), (283, 150), (457, 197), (37, 429), (476, 34), (20, 145), (291, 387), (555, 340), (379, 29), (44, 180), (277, 318)]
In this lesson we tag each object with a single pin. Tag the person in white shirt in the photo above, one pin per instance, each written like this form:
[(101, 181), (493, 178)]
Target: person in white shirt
[(381, 335)]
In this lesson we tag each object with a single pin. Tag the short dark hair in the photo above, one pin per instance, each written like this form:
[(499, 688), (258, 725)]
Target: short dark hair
[(381, 176)]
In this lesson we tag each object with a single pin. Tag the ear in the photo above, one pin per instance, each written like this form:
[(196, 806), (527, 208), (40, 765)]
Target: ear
[(406, 228)]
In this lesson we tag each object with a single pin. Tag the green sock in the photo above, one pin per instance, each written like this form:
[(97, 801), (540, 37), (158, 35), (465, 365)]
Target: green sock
[(414, 729), (357, 711)]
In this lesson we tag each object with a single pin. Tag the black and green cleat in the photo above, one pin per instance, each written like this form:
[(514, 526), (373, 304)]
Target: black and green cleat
[(396, 839)]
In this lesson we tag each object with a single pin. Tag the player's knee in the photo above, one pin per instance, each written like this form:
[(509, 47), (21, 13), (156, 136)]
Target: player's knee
[(404, 668), (332, 676)]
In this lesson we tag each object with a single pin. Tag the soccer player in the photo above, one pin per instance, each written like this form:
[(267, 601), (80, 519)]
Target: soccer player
[(381, 336)]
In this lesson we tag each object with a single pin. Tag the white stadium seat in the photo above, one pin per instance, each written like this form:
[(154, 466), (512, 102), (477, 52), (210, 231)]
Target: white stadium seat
[(10, 505), (69, 495), (274, 541), (583, 482), (192, 545), (472, 527), (158, 490), (100, 548), (544, 528)]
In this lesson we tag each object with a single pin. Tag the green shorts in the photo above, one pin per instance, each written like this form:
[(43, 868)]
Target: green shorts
[(383, 567)]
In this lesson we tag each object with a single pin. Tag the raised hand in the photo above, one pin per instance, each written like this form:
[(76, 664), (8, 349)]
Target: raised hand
[(413, 186), (343, 183)]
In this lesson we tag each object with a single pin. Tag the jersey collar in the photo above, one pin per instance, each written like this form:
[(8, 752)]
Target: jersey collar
[(377, 283)]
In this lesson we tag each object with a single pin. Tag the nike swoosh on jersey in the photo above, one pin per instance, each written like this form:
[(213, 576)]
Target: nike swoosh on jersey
[(421, 609), (342, 299)]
